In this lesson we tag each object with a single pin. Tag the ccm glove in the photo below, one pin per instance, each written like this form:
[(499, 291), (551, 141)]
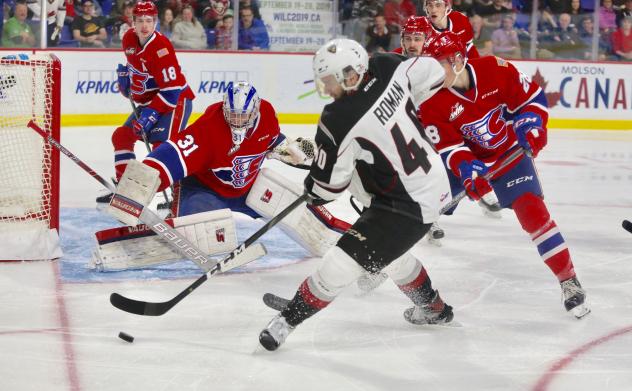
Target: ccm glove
[(146, 121), (312, 198), (476, 187), (123, 79), (531, 135)]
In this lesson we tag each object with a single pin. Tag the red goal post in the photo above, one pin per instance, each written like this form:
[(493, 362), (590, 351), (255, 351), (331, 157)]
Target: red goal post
[(29, 166)]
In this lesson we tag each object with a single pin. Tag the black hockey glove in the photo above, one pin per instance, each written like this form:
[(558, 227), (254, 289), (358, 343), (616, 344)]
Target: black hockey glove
[(312, 199)]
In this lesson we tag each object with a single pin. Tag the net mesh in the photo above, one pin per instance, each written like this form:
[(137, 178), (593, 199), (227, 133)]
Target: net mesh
[(26, 164)]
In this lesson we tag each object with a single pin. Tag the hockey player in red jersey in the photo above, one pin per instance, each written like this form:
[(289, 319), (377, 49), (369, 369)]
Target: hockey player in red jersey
[(216, 164), (444, 19), (152, 79), (487, 109), (414, 33)]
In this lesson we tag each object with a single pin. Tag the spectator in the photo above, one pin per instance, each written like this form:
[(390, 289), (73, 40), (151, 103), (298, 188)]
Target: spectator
[(625, 11), (188, 33), (224, 33), (123, 23), (214, 13), (482, 36), (17, 33), (463, 6), (167, 21), (586, 32), (492, 14), (253, 34), (577, 12), (362, 14), (254, 7), (557, 7), (622, 40), (396, 12), (87, 29), (379, 35), (505, 42), (56, 14), (607, 17), (564, 41)]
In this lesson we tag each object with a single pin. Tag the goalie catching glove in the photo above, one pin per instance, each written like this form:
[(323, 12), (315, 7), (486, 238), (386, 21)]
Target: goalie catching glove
[(298, 153)]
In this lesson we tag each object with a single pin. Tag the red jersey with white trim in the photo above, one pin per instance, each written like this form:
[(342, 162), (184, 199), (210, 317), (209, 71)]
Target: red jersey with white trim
[(156, 80), (203, 150), (480, 119), (460, 25)]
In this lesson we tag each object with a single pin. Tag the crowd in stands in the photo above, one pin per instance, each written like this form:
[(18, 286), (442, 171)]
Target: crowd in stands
[(564, 28), (189, 24)]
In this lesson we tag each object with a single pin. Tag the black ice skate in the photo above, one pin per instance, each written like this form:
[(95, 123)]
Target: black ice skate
[(574, 297), (275, 333), (105, 196), (434, 312)]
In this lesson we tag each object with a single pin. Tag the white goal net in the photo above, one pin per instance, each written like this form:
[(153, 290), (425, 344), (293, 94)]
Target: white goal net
[(29, 166)]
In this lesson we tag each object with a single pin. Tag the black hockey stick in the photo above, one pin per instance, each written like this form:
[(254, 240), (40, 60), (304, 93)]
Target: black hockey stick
[(275, 302), (144, 136), (156, 309), (627, 225), (174, 238)]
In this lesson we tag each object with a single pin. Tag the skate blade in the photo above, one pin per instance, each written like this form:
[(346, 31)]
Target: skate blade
[(580, 311)]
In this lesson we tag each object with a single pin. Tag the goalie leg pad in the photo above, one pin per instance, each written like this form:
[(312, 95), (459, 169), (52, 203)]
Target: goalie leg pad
[(314, 228), (135, 190), (135, 247)]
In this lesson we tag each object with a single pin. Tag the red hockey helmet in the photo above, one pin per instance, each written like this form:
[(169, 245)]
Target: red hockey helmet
[(145, 8), (445, 46), (417, 25)]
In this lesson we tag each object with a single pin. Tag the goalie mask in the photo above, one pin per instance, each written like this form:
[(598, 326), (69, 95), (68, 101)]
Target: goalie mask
[(336, 64), (241, 109)]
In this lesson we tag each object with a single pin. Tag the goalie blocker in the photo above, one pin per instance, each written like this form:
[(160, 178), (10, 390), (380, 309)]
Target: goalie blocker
[(313, 227)]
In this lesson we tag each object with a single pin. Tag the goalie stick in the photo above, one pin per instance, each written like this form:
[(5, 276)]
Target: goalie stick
[(156, 309), (278, 303), (180, 244)]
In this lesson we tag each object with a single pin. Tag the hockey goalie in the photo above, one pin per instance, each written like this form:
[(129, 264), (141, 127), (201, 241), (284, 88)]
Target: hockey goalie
[(216, 166)]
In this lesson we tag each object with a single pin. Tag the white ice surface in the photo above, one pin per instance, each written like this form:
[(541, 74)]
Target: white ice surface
[(59, 332)]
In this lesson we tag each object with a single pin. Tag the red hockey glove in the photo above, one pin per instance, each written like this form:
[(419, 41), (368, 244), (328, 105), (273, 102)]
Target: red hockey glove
[(531, 135), (475, 185)]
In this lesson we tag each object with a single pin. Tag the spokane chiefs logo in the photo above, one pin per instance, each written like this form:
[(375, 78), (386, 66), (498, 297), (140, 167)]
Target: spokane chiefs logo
[(489, 131), (242, 172)]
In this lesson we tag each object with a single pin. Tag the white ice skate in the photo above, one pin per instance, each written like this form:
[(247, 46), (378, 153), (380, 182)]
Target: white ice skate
[(275, 333), (574, 297)]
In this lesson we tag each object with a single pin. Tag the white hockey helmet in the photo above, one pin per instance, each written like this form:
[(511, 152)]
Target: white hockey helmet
[(335, 60), (241, 109)]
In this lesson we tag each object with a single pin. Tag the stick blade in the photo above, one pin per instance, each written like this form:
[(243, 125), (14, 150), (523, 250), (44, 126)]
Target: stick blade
[(137, 307)]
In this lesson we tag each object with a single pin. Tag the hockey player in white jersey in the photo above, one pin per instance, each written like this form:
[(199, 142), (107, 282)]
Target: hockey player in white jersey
[(370, 143)]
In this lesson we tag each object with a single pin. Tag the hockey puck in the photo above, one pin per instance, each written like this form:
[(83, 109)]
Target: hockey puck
[(126, 337), (627, 225)]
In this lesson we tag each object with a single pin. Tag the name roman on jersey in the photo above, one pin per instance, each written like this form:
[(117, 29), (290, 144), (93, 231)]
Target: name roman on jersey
[(389, 103)]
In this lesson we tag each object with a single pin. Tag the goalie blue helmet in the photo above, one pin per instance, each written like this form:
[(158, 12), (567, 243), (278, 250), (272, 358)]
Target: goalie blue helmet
[(241, 109)]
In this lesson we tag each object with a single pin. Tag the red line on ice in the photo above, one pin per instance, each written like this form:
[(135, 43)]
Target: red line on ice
[(69, 353), (554, 370)]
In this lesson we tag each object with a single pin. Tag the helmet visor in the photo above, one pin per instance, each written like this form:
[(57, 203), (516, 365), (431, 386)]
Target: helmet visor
[(327, 86)]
